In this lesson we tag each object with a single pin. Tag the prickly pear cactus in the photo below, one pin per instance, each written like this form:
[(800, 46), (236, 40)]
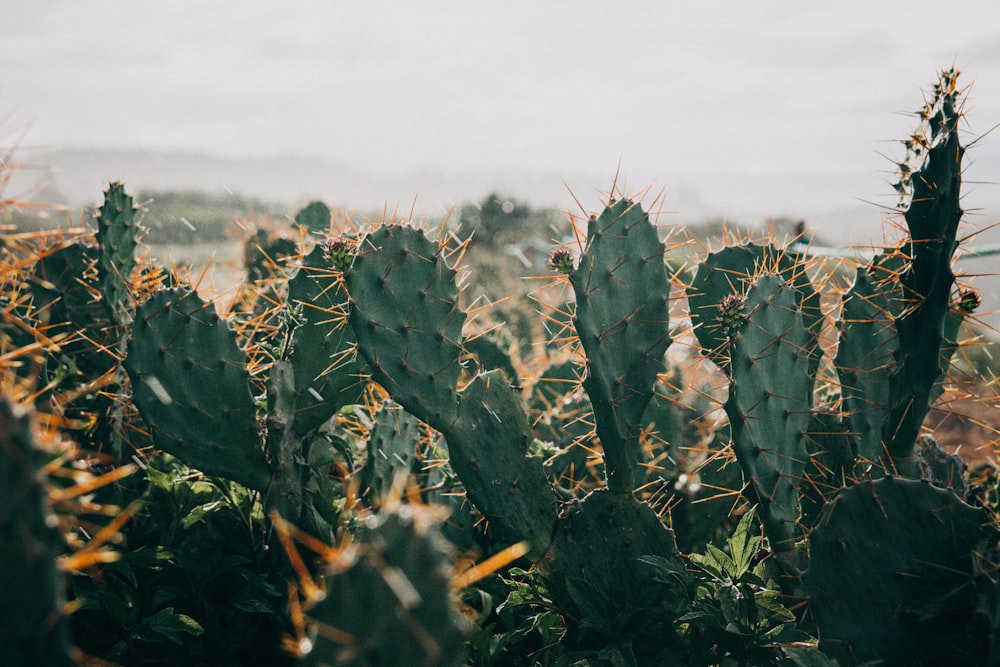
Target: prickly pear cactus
[(33, 628), (327, 374), (488, 448), (622, 292), (394, 605), (405, 314), (116, 240), (315, 218), (596, 572), (190, 384), (930, 192), (891, 575), (770, 399), (866, 362), (408, 324), (392, 450)]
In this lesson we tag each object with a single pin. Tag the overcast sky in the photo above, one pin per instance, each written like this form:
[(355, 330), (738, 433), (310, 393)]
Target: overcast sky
[(761, 104)]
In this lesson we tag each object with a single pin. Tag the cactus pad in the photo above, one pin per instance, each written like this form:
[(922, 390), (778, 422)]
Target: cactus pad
[(394, 606), (116, 240), (408, 324), (190, 384), (488, 449), (622, 291), (769, 403), (891, 574)]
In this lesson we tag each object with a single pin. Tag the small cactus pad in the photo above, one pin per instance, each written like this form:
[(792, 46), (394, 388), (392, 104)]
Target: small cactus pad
[(891, 574), (190, 384), (866, 361), (488, 450), (392, 449), (327, 372), (394, 606), (408, 324), (769, 403), (730, 271), (116, 240), (622, 292), (314, 218)]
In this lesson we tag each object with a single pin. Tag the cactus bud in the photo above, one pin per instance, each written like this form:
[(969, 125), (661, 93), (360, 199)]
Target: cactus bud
[(338, 251), (969, 301), (562, 261), (730, 317)]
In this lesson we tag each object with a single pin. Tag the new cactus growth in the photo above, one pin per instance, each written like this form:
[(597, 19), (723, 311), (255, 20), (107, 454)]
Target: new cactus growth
[(116, 241)]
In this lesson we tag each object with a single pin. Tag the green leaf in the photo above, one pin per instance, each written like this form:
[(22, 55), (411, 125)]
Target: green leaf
[(715, 562), (743, 545), (200, 512), (169, 625)]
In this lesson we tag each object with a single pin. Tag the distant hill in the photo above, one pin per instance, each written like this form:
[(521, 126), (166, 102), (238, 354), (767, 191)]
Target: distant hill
[(78, 175)]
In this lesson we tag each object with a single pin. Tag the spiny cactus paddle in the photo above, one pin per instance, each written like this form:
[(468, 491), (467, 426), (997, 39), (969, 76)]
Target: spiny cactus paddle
[(891, 574), (321, 345), (770, 397), (392, 450), (116, 240), (394, 605), (622, 319), (930, 189), (190, 383), (408, 324), (866, 361), (488, 449)]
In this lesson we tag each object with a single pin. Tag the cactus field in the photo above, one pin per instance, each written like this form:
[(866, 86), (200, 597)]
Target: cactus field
[(656, 451)]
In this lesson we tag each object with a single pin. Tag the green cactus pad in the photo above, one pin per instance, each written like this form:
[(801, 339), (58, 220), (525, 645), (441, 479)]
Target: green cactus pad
[(731, 271), (622, 291), (116, 240), (769, 403), (190, 384), (930, 188), (595, 570), (866, 361), (488, 450), (394, 606), (408, 324), (891, 574), (392, 449), (327, 372), (314, 218), (33, 630)]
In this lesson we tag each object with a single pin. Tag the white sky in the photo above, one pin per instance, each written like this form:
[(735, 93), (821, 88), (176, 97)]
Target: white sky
[(748, 103)]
